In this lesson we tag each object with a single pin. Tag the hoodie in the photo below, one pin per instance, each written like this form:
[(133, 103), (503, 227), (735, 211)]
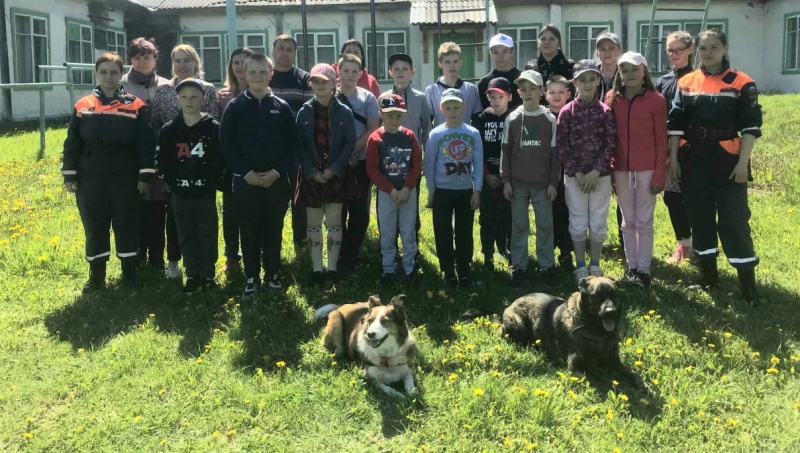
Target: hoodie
[(188, 158), (529, 157)]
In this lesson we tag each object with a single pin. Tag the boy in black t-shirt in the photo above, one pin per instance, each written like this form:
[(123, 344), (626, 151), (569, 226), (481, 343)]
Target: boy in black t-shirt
[(188, 160)]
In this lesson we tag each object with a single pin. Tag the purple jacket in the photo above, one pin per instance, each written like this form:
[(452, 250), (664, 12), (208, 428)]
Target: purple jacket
[(587, 137)]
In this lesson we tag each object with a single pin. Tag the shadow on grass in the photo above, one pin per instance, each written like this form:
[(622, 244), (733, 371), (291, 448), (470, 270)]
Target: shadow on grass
[(95, 318)]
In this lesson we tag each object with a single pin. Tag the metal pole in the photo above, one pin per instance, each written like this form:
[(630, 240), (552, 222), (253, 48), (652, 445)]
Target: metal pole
[(41, 124), (438, 23), (305, 35), (648, 45), (230, 12), (488, 36), (373, 53)]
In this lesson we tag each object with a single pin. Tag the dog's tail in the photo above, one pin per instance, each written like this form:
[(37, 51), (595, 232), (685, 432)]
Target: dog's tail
[(517, 328), (333, 338), (322, 313)]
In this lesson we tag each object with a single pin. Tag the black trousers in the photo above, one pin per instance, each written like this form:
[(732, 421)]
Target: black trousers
[(447, 205), (716, 205), (231, 225), (198, 229), (261, 214), (355, 216), (561, 236), (152, 223), (106, 203), (678, 215), (495, 222)]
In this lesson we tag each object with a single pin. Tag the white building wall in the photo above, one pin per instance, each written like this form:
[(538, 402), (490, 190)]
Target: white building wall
[(773, 78), (25, 104)]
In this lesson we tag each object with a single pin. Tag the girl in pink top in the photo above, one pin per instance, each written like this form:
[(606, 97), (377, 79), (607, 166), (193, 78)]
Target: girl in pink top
[(640, 159)]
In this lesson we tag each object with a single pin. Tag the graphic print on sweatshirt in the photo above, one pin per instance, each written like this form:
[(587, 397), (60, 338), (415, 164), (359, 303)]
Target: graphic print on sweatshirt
[(529, 132), (191, 162), (396, 160), (456, 149)]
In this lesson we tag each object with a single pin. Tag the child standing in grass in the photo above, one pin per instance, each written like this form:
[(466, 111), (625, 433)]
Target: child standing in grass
[(587, 136), (327, 137), (453, 166), (640, 159), (394, 164), (557, 94), (189, 161), (495, 217), (529, 170)]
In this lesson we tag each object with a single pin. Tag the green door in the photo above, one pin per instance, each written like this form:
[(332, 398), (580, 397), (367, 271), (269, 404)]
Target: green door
[(467, 43)]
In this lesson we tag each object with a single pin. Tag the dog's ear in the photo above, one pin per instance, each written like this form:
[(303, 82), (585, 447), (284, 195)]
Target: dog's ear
[(397, 301), (583, 284), (374, 301)]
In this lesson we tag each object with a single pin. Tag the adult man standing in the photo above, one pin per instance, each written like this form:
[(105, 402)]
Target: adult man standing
[(290, 83), (501, 48)]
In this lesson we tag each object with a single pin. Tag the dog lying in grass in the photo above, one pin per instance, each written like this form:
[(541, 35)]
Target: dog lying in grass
[(376, 337), (583, 330)]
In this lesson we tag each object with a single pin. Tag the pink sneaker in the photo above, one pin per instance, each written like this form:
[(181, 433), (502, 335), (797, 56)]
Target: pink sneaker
[(682, 254)]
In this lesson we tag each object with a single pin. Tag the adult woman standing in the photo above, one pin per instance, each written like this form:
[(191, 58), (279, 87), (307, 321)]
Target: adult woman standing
[(680, 48), (108, 148), (185, 63), (142, 81), (235, 84), (714, 104), (365, 80)]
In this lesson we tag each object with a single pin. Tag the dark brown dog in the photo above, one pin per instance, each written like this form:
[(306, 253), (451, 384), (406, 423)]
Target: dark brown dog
[(583, 330)]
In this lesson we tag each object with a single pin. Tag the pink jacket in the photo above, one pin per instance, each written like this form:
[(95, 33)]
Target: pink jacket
[(641, 135)]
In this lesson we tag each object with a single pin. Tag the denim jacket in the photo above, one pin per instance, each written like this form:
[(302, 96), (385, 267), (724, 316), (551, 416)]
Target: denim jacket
[(342, 140)]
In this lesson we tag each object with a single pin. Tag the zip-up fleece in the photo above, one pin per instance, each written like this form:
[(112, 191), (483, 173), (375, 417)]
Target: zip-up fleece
[(587, 137), (472, 101), (529, 157), (641, 134), (188, 157), (258, 135), (341, 143), (109, 137)]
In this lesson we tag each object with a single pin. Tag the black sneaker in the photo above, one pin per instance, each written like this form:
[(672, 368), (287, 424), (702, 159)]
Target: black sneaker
[(451, 280), (488, 263), (332, 276), (517, 278), (565, 262), (549, 277), (274, 284), (465, 282), (209, 284), (192, 285), (250, 289), (316, 278), (632, 276), (388, 278), (644, 279)]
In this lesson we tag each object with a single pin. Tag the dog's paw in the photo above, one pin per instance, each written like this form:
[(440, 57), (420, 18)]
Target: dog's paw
[(412, 393)]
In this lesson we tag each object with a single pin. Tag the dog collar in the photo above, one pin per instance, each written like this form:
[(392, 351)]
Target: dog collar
[(579, 331)]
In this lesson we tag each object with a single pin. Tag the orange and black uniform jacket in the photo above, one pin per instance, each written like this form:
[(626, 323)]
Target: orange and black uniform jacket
[(716, 108), (109, 138)]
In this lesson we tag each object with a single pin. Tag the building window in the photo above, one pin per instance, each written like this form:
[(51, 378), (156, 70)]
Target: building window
[(31, 46), (80, 49), (657, 60), (321, 46), (581, 39), (257, 42), (791, 58), (115, 42), (209, 47), (389, 42), (525, 44)]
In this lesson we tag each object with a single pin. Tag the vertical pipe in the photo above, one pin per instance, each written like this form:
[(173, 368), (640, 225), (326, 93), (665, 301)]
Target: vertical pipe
[(487, 38), (5, 65), (649, 44), (230, 13), (41, 124), (373, 53), (305, 35)]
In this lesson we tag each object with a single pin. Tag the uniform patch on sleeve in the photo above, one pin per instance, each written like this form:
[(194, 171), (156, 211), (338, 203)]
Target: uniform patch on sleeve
[(752, 93), (730, 77)]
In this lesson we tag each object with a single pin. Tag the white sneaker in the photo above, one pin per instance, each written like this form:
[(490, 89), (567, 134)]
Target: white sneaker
[(580, 273), (173, 270), (595, 271)]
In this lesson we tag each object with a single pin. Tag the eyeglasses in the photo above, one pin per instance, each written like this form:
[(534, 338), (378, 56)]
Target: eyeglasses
[(676, 51)]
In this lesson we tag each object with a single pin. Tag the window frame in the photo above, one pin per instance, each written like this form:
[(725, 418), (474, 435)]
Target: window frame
[(68, 21), (606, 26), (13, 13), (317, 31), (201, 51), (659, 47), (244, 34), (384, 77), (517, 28), (784, 68), (116, 31)]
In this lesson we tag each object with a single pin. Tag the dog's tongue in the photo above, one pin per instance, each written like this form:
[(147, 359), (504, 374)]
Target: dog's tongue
[(609, 324)]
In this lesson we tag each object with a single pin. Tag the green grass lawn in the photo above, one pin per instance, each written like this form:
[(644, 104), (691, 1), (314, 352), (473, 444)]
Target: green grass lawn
[(152, 369)]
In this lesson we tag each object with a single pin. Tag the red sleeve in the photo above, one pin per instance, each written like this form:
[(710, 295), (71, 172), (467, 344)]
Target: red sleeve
[(374, 162), (415, 171)]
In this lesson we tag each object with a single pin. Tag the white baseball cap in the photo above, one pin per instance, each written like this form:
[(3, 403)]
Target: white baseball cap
[(501, 40), (633, 58)]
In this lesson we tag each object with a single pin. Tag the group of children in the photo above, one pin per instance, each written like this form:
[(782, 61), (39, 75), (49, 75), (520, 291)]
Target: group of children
[(500, 159)]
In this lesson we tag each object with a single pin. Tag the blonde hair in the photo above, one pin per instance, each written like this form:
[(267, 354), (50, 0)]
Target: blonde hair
[(449, 48), (198, 65)]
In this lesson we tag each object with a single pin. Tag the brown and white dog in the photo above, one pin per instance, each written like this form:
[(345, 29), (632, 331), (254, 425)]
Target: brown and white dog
[(376, 337)]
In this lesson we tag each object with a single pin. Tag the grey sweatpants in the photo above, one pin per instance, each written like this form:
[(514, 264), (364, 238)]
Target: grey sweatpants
[(521, 227), (391, 218)]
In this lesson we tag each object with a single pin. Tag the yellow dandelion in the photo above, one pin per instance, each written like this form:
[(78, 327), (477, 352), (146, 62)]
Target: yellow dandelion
[(796, 405), (732, 422), (638, 363), (724, 378), (574, 378), (572, 394), (646, 317), (712, 345), (163, 441), (55, 240), (673, 403), (478, 392), (532, 446), (198, 361), (615, 382), (507, 441), (619, 435), (137, 419), (522, 391), (540, 392), (793, 358), (496, 373), (334, 363), (452, 377), (651, 312), (623, 397), (738, 407), (217, 434), (444, 361), (616, 450), (28, 435), (231, 432), (280, 364), (772, 370), (654, 381), (162, 391), (457, 327), (701, 414), (610, 414), (689, 368), (727, 334), (639, 351), (467, 426), (79, 429), (756, 354), (442, 293), (774, 360), (628, 340), (537, 342)]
